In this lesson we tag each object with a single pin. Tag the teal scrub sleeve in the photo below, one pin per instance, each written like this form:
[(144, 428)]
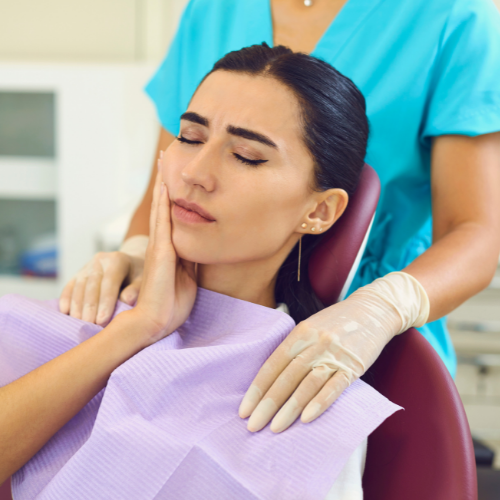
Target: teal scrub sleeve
[(167, 89), (465, 99)]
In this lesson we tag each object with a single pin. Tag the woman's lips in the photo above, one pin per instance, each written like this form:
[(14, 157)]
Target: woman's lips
[(185, 215), (194, 207)]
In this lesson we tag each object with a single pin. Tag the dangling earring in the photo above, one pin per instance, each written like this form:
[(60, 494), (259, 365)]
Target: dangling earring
[(300, 252)]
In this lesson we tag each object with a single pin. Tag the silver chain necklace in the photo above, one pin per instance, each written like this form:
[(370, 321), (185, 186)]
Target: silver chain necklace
[(308, 3)]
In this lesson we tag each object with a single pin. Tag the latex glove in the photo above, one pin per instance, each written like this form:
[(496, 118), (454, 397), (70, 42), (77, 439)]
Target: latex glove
[(91, 295), (324, 354), (169, 284)]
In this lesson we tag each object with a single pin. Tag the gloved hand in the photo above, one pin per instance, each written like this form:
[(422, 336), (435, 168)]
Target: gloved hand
[(324, 354), (92, 294)]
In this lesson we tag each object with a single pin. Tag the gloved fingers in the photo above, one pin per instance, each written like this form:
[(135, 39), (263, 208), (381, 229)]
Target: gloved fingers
[(299, 339), (65, 299), (280, 391), (307, 390), (111, 282), (130, 293), (77, 297), (91, 294), (326, 396)]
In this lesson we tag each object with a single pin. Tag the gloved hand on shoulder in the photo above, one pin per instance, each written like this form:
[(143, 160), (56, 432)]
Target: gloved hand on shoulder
[(324, 354)]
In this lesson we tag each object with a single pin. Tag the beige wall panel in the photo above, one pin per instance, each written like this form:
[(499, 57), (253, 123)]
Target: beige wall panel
[(97, 30), (158, 23)]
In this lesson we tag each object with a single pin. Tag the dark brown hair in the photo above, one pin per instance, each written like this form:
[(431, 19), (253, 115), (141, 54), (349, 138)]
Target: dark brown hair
[(335, 131)]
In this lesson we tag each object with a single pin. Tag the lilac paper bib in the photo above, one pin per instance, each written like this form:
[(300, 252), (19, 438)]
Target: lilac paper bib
[(167, 425)]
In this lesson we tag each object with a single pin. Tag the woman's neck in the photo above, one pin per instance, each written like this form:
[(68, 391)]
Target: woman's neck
[(250, 281)]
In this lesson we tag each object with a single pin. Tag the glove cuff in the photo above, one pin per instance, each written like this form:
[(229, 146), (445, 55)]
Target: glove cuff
[(406, 295), (135, 246)]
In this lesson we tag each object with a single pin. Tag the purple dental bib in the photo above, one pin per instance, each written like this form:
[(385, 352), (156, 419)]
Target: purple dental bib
[(166, 426)]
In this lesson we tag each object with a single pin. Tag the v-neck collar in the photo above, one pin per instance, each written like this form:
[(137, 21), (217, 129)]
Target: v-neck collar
[(341, 29)]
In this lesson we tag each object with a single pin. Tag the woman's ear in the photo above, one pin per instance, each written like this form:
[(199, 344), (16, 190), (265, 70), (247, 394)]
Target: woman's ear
[(330, 205)]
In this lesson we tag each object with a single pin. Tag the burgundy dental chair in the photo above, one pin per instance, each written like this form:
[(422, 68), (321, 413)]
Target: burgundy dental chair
[(424, 452)]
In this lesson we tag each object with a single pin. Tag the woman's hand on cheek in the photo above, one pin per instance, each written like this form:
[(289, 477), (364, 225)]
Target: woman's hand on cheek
[(169, 286)]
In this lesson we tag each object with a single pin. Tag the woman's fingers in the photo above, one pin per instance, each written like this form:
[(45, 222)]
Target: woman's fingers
[(158, 283), (307, 390), (189, 267), (163, 229), (299, 339), (65, 299), (154, 209), (130, 293), (280, 391), (326, 396)]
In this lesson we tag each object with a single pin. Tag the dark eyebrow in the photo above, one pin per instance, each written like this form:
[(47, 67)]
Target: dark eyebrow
[(195, 118), (251, 135), (231, 129)]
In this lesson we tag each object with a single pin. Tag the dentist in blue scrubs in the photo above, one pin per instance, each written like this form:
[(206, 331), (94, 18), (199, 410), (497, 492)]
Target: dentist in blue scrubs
[(430, 73)]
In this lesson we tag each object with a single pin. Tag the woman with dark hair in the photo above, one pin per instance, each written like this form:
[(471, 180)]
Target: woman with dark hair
[(270, 147), (430, 73), (335, 133)]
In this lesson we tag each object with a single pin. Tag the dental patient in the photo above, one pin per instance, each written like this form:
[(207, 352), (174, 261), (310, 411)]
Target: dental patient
[(269, 151)]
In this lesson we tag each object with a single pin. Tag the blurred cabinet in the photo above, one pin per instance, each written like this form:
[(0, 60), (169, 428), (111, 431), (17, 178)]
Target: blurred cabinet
[(475, 332), (76, 136), (76, 146)]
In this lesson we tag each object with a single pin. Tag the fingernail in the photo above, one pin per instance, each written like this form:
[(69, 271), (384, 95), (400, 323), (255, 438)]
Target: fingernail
[(162, 188), (101, 317), (311, 411), (128, 298), (262, 414), (249, 401), (286, 416), (64, 306), (161, 154)]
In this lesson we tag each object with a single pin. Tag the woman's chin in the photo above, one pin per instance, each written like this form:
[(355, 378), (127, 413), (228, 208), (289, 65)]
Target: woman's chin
[(192, 252)]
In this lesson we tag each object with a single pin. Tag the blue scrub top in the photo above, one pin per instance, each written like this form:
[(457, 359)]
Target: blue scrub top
[(425, 69)]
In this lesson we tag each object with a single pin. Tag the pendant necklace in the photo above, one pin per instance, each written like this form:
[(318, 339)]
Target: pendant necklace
[(308, 3)]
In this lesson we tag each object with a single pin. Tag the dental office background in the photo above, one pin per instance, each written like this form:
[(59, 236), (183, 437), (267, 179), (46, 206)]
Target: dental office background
[(77, 139)]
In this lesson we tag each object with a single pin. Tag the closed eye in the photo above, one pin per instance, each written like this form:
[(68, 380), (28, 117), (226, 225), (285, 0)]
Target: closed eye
[(247, 161), (187, 141), (240, 158)]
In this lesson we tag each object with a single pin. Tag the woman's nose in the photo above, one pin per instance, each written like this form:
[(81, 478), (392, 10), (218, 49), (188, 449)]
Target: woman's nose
[(199, 171)]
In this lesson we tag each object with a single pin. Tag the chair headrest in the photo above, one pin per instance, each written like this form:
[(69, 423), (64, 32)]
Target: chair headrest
[(334, 262)]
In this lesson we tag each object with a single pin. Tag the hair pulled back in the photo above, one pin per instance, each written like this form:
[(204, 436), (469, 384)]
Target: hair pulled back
[(335, 131)]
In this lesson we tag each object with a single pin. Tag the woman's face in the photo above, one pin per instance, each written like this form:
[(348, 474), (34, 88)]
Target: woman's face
[(241, 158)]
